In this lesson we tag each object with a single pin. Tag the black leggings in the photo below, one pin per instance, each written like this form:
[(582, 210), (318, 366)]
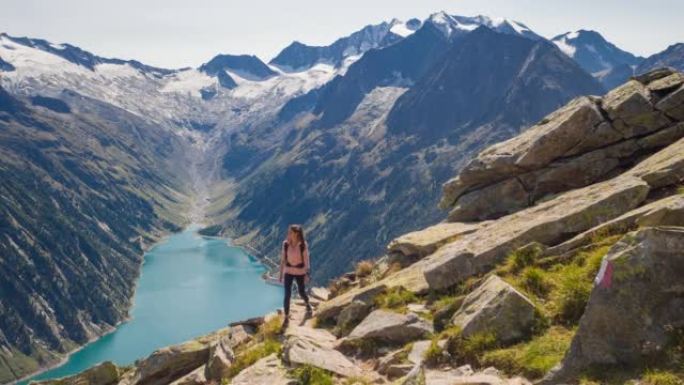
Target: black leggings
[(288, 290)]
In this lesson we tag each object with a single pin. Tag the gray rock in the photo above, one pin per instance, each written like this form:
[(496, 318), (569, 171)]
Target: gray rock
[(664, 168), (196, 377), (316, 347), (673, 104), (221, 358), (664, 212), (391, 327), (630, 108), (547, 223), (497, 307), (638, 297), (168, 364), (267, 371), (240, 335), (465, 376), (352, 314), (491, 201), (320, 293), (332, 308)]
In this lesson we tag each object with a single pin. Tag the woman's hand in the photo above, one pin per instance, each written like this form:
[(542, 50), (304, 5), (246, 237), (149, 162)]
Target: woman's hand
[(307, 278), (280, 278)]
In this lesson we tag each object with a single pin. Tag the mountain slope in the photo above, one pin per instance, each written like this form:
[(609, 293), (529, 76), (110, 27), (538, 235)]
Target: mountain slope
[(597, 56), (355, 182), (298, 56), (471, 85), (672, 56), (86, 187)]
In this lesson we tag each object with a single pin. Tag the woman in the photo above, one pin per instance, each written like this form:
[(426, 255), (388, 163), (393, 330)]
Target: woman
[(294, 266)]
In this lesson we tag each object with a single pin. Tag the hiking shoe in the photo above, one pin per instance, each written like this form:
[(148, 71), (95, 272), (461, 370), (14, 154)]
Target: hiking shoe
[(309, 311)]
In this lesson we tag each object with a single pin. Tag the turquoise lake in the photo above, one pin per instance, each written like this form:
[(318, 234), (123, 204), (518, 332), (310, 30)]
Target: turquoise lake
[(190, 286)]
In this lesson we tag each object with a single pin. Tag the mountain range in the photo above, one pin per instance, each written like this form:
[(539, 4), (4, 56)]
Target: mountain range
[(353, 140)]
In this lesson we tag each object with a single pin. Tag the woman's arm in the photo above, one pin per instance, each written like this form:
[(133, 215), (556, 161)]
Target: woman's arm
[(307, 266), (282, 263)]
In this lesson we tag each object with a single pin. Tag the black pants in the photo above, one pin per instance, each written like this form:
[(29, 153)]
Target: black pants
[(288, 290)]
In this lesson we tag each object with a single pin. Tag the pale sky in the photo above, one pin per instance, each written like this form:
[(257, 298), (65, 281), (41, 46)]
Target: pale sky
[(180, 33)]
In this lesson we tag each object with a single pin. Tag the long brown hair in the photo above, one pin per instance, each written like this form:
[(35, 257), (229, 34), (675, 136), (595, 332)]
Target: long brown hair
[(299, 230)]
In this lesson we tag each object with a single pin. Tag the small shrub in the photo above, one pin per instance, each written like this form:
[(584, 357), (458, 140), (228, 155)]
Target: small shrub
[(572, 294), (395, 298), (248, 357), (534, 280), (468, 350), (311, 375), (661, 378), (364, 269), (534, 358), (435, 354), (523, 257), (270, 329)]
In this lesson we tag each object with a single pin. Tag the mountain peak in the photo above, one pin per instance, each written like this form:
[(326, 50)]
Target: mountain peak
[(592, 51), (454, 25), (245, 66)]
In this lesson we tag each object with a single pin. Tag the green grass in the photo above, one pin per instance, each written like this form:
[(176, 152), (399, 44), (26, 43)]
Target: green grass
[(535, 280), (311, 375), (395, 298), (533, 358), (658, 377), (253, 354)]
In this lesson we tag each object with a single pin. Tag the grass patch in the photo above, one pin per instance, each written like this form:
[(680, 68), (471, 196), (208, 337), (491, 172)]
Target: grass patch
[(311, 375), (535, 281), (364, 269), (251, 355), (659, 377), (523, 257), (395, 298), (534, 358)]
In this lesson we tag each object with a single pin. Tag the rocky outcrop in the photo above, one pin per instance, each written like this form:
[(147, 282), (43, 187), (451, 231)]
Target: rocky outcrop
[(170, 363), (268, 371), (221, 357), (463, 375), (589, 140), (316, 347), (547, 223), (636, 306), (424, 242), (496, 307), (391, 327), (196, 377), (106, 373)]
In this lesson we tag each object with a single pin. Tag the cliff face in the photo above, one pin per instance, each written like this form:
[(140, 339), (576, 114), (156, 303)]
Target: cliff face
[(576, 266), (85, 187)]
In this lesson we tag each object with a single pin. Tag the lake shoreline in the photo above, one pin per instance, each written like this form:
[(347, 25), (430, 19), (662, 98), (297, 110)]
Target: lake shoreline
[(189, 245)]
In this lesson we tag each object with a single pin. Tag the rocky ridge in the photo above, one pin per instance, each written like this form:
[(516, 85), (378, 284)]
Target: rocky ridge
[(583, 276)]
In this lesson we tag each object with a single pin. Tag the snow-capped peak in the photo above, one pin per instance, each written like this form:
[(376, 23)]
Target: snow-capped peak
[(404, 28), (451, 25)]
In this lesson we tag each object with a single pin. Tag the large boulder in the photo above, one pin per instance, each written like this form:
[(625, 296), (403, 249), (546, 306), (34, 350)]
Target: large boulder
[(391, 327), (106, 373), (267, 371), (168, 364), (351, 315), (586, 141), (664, 168), (631, 110), (196, 377), (548, 223), (636, 304), (668, 211), (424, 242), (496, 307), (316, 347), (240, 335), (221, 358)]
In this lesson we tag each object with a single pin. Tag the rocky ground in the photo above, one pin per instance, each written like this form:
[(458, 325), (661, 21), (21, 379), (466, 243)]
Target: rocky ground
[(560, 263)]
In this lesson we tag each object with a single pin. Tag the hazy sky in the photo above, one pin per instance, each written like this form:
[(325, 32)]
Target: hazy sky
[(178, 33)]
